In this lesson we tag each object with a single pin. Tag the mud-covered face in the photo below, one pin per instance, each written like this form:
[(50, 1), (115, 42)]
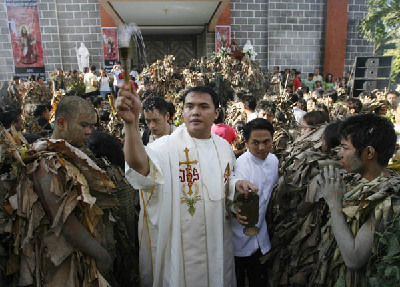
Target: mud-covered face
[(351, 161)]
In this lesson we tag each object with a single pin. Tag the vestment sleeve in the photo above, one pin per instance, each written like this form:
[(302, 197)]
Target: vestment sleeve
[(155, 176)]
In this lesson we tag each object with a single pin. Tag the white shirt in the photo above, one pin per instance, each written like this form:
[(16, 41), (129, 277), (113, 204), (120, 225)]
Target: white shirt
[(264, 175), (298, 114), (252, 116), (104, 83)]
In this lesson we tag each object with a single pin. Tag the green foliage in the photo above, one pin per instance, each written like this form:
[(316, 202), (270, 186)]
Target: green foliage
[(381, 26), (381, 21), (384, 268), (395, 64)]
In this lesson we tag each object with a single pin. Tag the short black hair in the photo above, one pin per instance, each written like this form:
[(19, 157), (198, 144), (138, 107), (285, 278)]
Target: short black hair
[(93, 68), (203, 89), (332, 135), (7, 118), (371, 130), (16, 78), (39, 110), (102, 144), (257, 124), (155, 103), (220, 118), (171, 108), (315, 118), (97, 101), (354, 103), (268, 106), (331, 94), (249, 101), (394, 93)]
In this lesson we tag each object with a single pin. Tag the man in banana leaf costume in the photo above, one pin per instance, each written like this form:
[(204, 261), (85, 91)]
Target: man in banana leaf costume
[(359, 243), (293, 224), (62, 217), (351, 237)]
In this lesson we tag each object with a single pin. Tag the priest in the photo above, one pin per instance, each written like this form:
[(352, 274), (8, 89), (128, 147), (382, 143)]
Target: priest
[(188, 177)]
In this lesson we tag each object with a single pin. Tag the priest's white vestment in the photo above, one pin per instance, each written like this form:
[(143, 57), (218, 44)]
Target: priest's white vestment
[(185, 201)]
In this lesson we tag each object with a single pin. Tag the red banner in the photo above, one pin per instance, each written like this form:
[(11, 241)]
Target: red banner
[(23, 23), (110, 47), (222, 37)]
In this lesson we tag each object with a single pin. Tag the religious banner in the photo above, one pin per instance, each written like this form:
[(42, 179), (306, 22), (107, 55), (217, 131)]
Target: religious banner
[(222, 37), (26, 39), (110, 47)]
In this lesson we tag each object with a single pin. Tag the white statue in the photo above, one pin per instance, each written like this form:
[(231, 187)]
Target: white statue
[(248, 49), (83, 56)]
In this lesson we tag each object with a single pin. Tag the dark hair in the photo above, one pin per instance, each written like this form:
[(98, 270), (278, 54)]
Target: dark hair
[(371, 130), (16, 78), (239, 126), (297, 73), (93, 68), (86, 69), (7, 118), (32, 78), (311, 74), (155, 103), (220, 118), (327, 76), (203, 89), (249, 102), (331, 94), (257, 124), (322, 107), (171, 109), (315, 118), (394, 93), (102, 144), (104, 115), (364, 94), (293, 98), (396, 103), (39, 110), (268, 106), (354, 103), (332, 135), (97, 101)]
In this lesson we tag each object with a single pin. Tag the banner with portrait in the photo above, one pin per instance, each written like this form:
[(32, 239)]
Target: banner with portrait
[(222, 37), (110, 47), (26, 39)]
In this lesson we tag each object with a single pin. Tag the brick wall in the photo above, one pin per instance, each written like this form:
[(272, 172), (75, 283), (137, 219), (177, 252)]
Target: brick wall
[(249, 19), (296, 34), (79, 23), (64, 24), (6, 57), (356, 46)]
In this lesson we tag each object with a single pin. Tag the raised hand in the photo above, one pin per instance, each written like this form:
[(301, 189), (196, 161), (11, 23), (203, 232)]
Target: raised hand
[(128, 104)]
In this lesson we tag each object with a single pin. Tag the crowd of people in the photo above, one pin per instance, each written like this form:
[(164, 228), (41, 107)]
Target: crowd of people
[(101, 186)]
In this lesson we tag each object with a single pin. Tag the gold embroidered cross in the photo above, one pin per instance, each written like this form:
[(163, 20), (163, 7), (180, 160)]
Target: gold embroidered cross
[(188, 169)]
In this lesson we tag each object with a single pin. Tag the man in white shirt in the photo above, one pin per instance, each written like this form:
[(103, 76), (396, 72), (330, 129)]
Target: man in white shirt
[(260, 167), (188, 181), (317, 76)]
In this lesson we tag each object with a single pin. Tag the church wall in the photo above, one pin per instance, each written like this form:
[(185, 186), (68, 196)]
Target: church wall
[(356, 46), (6, 57), (249, 21), (296, 34), (64, 24)]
